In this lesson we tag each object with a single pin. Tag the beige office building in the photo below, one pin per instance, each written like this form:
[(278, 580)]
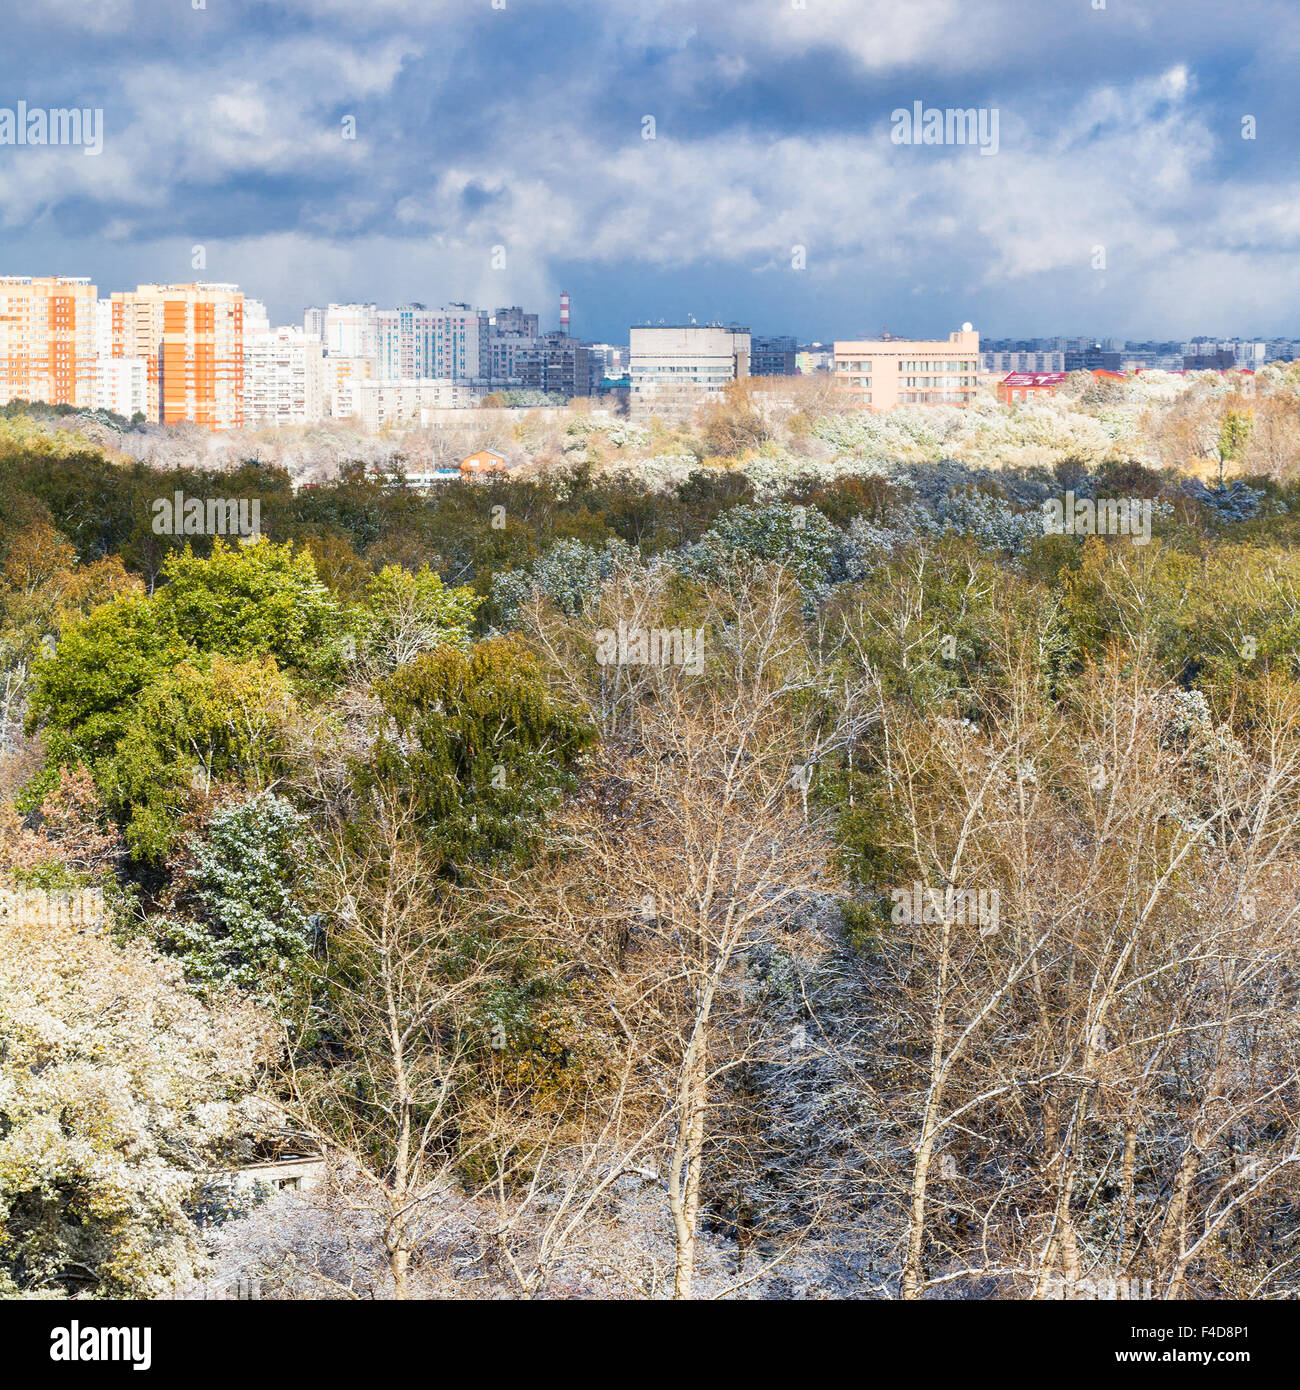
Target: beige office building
[(881, 373)]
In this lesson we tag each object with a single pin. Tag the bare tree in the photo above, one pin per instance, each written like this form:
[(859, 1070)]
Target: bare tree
[(1076, 1088), (700, 854), (376, 1071)]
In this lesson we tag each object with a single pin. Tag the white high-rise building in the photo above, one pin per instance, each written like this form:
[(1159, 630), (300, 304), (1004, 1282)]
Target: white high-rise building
[(1250, 355), (348, 330), (47, 339), (256, 320), (452, 343), (103, 328), (284, 379), (122, 385)]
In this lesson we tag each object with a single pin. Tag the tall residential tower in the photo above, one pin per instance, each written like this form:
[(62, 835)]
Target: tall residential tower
[(192, 337), (47, 339)]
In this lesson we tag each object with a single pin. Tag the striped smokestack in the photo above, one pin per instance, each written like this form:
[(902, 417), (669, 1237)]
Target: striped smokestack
[(564, 311)]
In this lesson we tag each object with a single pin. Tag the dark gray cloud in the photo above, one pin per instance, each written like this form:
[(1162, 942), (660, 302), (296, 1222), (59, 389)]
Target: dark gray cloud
[(521, 127)]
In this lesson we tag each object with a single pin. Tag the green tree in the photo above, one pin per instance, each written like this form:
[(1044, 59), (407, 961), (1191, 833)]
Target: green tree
[(408, 613), (1234, 434), (798, 538), (206, 721), (118, 1088), (254, 600), (478, 746), (85, 692), (152, 693)]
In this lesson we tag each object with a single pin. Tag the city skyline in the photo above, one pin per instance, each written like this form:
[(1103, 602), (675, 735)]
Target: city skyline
[(499, 157), (548, 323), (207, 354)]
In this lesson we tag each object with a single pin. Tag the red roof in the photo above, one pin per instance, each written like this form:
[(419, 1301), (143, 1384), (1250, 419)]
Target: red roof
[(1102, 371), (1034, 379)]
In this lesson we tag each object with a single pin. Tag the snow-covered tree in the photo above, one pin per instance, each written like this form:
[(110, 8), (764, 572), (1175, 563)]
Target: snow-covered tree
[(118, 1089)]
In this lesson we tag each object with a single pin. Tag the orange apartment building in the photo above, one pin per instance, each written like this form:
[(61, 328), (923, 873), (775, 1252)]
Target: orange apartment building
[(881, 373), (192, 337), (47, 339)]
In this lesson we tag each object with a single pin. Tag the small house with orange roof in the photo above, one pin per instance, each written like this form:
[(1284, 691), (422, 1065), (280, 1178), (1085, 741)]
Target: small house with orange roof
[(483, 463)]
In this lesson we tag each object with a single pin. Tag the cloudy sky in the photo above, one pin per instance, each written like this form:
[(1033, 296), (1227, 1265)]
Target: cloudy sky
[(520, 124)]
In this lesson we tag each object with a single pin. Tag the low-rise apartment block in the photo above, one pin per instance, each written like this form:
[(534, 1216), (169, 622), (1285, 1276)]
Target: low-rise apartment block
[(1210, 354), (400, 404), (1000, 363), (881, 373)]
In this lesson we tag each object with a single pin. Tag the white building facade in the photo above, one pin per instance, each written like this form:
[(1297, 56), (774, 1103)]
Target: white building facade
[(122, 385), (1004, 362), (674, 366), (397, 403), (284, 379)]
